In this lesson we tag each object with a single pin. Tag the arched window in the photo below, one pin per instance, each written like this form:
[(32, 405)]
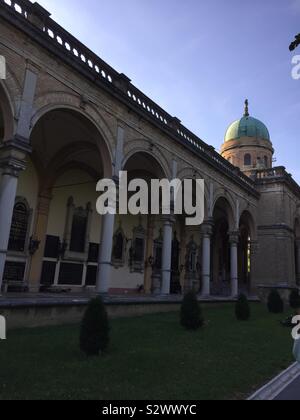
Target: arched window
[(137, 251), (247, 160), (266, 161), (19, 227)]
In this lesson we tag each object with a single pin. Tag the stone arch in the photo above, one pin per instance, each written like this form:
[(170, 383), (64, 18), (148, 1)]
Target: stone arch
[(247, 237), (152, 154), (247, 217), (223, 226), (56, 101), (223, 197), (103, 143)]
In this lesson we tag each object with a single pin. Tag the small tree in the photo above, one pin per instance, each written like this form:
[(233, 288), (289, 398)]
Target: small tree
[(242, 308), (191, 314), (94, 333), (275, 303), (295, 299)]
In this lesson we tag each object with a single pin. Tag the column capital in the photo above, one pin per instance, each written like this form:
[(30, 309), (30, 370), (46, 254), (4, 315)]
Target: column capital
[(168, 220), (207, 228), (13, 156), (234, 238)]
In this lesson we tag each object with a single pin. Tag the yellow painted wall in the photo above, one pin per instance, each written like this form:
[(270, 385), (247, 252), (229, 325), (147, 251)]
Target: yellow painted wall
[(82, 188)]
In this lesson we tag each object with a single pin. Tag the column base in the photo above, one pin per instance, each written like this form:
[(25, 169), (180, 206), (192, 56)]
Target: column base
[(33, 289)]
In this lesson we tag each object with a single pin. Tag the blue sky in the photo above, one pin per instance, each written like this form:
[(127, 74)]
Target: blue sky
[(200, 59)]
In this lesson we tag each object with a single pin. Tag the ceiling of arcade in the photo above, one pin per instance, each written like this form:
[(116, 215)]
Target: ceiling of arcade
[(62, 139)]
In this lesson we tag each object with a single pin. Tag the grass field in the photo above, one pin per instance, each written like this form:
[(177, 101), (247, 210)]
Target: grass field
[(150, 358)]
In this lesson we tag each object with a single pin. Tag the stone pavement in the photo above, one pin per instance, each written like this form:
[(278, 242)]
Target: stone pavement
[(291, 393), (285, 386)]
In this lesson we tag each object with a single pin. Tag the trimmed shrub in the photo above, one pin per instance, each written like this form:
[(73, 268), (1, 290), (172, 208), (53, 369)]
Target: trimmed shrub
[(191, 314), (242, 308), (94, 333), (295, 299), (275, 303)]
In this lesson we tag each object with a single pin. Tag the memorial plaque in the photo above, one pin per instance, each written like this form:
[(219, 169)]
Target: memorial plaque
[(91, 276), (14, 272), (48, 273), (78, 233), (70, 274), (52, 247)]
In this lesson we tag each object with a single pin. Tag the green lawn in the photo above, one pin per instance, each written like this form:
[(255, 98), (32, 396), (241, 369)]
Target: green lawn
[(150, 357)]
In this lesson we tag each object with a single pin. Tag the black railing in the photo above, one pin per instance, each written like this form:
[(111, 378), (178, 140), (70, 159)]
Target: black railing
[(71, 47)]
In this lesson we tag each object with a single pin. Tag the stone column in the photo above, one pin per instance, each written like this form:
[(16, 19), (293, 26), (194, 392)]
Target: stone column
[(12, 162), (40, 233), (167, 256), (108, 223), (234, 240), (183, 240), (105, 252), (206, 259)]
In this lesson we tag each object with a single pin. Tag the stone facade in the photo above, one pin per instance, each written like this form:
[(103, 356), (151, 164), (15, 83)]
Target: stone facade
[(67, 119)]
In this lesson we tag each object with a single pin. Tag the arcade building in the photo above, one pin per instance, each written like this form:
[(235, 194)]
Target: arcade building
[(68, 119)]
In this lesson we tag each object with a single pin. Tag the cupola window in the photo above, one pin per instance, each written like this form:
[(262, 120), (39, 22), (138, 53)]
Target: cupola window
[(247, 160)]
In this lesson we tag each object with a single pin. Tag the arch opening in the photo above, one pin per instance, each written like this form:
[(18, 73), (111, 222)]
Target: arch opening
[(247, 235), (70, 156), (221, 261)]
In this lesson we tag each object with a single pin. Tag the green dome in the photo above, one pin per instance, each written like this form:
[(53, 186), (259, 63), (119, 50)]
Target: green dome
[(247, 127)]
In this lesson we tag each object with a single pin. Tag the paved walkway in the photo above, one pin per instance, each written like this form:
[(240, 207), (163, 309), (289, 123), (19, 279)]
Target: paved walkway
[(291, 393)]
